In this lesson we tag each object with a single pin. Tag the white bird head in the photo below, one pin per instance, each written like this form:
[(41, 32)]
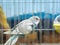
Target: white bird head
[(57, 19), (35, 19)]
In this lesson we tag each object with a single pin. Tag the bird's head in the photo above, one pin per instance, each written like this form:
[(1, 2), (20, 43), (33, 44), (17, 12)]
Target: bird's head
[(35, 19), (57, 19)]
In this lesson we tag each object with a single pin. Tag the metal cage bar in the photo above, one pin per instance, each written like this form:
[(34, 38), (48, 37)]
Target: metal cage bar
[(44, 30)]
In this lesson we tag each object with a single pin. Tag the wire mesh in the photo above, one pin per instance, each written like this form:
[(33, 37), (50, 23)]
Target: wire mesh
[(45, 33)]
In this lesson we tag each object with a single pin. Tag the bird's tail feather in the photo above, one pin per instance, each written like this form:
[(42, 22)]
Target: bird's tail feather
[(12, 40)]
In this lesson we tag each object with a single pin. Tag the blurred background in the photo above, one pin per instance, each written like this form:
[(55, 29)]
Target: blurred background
[(47, 10)]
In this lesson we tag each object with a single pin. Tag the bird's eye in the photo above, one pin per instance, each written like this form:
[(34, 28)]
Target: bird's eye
[(36, 18), (58, 19)]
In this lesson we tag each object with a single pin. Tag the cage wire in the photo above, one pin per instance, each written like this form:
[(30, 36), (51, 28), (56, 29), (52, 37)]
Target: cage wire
[(43, 34)]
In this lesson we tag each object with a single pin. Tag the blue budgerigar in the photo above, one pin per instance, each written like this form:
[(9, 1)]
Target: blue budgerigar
[(24, 27)]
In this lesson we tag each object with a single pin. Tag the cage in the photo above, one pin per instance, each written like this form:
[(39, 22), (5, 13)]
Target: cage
[(13, 12)]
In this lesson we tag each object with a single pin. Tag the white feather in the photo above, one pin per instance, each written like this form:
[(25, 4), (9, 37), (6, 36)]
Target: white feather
[(24, 27)]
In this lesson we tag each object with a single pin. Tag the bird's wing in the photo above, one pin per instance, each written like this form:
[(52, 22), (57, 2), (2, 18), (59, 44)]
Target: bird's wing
[(25, 26), (26, 22), (16, 31)]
